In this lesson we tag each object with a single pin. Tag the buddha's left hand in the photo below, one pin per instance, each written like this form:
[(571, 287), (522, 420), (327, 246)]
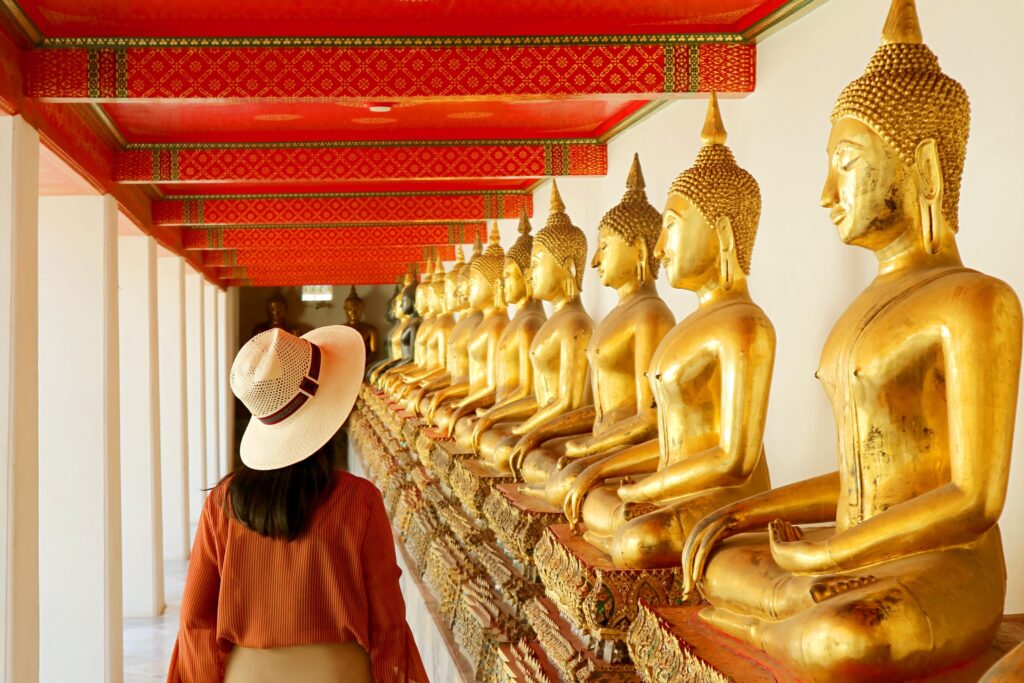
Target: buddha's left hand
[(795, 554), (645, 491)]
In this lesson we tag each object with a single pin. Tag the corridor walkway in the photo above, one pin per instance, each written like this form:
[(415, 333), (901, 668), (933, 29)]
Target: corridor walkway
[(148, 641)]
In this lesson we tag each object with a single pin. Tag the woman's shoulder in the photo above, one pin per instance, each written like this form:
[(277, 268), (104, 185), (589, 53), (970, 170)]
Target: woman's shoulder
[(349, 485)]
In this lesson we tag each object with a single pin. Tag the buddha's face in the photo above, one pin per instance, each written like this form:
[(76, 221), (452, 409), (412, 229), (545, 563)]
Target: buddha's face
[(353, 310), (451, 294), (481, 292), (515, 282), (547, 275), (277, 308), (688, 247), (421, 301), (615, 259), (868, 190)]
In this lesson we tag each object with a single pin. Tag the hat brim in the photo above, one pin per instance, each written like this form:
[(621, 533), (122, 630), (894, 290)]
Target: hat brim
[(271, 447)]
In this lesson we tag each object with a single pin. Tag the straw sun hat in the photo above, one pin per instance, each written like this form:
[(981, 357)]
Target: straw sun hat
[(300, 390)]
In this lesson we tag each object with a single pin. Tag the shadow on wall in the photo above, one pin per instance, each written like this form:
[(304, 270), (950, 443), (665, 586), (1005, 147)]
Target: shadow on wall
[(303, 317)]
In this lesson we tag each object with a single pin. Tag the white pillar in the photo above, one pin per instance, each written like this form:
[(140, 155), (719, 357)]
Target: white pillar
[(173, 409), (19, 427), (194, 362), (141, 507), (212, 360), (226, 301), (79, 459)]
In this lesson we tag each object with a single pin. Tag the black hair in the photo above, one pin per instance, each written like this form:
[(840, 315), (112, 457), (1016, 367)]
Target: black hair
[(280, 503)]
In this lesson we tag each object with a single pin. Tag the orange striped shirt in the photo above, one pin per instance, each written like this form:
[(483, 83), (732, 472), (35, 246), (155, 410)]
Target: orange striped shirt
[(336, 583)]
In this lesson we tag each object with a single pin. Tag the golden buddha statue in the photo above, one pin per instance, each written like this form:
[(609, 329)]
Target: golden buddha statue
[(426, 310), (619, 354), (391, 349), (486, 299), (509, 372), (354, 309), (710, 376), (277, 315), (922, 372), (436, 345), (403, 335), (456, 367), (558, 352)]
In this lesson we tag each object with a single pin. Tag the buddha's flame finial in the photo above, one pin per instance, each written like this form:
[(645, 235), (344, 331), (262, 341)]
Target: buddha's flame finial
[(524, 221), (438, 266), (635, 180), (714, 130), (478, 248), (557, 205), (460, 260), (495, 235), (902, 24)]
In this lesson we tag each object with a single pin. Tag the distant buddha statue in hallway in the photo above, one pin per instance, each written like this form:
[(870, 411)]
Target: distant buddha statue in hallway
[(710, 376), (354, 309), (277, 316), (922, 370)]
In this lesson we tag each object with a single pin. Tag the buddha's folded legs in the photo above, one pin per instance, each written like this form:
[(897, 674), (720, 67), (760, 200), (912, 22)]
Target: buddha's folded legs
[(496, 444), (541, 462), (464, 431), (886, 622)]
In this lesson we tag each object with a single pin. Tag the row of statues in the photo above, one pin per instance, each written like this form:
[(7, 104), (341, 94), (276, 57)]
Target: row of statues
[(648, 433)]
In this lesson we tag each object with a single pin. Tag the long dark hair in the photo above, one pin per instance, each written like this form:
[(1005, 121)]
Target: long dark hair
[(280, 503)]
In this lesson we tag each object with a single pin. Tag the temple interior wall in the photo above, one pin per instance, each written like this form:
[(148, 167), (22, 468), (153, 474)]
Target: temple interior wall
[(803, 276)]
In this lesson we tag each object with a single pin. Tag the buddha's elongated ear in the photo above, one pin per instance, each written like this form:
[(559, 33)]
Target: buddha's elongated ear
[(727, 261), (928, 172), (726, 238), (642, 265)]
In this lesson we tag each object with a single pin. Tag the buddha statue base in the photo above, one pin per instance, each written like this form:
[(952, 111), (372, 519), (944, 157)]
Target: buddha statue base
[(473, 480), (443, 457), (597, 597), (411, 427), (519, 519), (482, 624), (570, 654), (525, 662), (674, 643)]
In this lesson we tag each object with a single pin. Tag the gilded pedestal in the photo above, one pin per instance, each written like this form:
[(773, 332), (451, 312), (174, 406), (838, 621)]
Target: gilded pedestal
[(518, 520)]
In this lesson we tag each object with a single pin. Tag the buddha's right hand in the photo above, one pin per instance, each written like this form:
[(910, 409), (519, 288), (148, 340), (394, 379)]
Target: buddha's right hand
[(585, 482), (708, 532), (577, 448), (482, 425)]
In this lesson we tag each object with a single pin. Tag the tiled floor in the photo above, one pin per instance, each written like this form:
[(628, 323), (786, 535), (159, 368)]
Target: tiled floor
[(148, 642)]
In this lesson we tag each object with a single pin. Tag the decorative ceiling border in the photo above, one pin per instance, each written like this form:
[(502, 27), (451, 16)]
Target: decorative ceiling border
[(760, 29), (323, 144), (350, 195)]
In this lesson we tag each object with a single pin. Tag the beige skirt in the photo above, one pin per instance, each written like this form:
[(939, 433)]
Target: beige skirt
[(347, 662)]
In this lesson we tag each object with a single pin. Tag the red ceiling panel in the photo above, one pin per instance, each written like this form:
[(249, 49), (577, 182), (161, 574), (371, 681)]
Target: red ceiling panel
[(211, 18), (470, 185)]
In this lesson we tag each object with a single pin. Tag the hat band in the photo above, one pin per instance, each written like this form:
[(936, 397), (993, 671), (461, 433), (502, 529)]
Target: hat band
[(307, 390)]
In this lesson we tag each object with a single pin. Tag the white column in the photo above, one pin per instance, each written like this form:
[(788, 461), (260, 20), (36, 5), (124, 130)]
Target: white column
[(141, 507), (212, 385), (196, 368), (79, 459), (173, 409), (226, 309), (19, 427)]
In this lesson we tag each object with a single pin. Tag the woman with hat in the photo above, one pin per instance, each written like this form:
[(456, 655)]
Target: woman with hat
[(292, 575)]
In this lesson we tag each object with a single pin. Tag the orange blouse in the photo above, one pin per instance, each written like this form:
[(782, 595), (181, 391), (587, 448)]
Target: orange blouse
[(336, 583)]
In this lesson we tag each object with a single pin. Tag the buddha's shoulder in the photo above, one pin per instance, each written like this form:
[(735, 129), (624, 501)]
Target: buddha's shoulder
[(966, 287)]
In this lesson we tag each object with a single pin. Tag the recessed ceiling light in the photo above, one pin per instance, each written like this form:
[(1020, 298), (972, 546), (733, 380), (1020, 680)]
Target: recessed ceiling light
[(380, 108)]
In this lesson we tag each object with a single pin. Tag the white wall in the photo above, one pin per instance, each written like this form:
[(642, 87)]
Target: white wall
[(802, 275)]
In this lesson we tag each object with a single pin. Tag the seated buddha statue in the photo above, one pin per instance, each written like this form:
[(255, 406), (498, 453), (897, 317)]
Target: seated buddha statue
[(922, 370), (277, 315), (426, 310), (558, 352), (390, 349), (437, 343), (509, 372), (402, 337), (485, 297), (619, 354), (456, 370), (710, 376), (354, 309)]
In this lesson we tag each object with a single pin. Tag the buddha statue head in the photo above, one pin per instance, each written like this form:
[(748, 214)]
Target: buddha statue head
[(451, 282), (463, 283), (485, 274), (559, 255), (424, 292), (897, 146), (627, 235), (437, 284), (353, 306), (410, 300), (389, 312), (277, 308), (711, 216), (516, 274)]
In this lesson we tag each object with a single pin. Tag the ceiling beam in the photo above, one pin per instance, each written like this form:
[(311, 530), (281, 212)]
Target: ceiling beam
[(277, 238), (119, 69), (228, 258), (357, 207), (344, 161)]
